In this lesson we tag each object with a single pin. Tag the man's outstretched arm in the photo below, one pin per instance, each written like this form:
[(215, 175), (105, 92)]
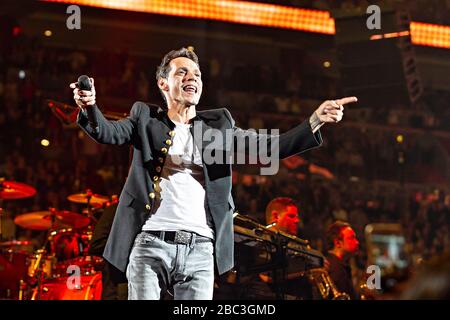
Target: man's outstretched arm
[(299, 139)]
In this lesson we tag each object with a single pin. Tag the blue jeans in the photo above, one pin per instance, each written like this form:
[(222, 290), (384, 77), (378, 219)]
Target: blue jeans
[(156, 265)]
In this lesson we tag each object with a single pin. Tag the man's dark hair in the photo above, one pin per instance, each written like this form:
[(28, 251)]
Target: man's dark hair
[(164, 68), (335, 232)]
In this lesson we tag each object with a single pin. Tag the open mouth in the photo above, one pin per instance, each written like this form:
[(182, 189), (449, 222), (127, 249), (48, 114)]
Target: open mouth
[(190, 89)]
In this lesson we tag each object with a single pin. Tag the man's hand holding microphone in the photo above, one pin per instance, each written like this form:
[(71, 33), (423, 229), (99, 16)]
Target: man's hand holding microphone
[(84, 92)]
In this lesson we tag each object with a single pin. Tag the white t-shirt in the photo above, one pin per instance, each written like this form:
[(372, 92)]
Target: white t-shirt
[(182, 205)]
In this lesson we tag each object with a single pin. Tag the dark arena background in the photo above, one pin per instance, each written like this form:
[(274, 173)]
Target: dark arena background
[(384, 169)]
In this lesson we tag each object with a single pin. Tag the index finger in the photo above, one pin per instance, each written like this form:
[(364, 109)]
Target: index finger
[(73, 85), (346, 100)]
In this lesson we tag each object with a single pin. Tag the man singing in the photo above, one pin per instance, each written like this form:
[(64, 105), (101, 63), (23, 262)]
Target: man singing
[(174, 218)]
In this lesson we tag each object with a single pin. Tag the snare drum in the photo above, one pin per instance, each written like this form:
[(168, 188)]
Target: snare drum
[(41, 261)]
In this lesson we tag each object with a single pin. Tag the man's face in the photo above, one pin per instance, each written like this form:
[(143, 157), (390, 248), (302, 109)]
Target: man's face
[(183, 84), (349, 243), (288, 220)]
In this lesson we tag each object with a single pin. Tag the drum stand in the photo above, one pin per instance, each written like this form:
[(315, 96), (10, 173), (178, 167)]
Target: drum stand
[(22, 288), (38, 273), (1, 208), (89, 211), (38, 265), (1, 216)]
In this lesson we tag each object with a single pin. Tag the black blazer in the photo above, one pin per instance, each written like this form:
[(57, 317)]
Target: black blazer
[(149, 130)]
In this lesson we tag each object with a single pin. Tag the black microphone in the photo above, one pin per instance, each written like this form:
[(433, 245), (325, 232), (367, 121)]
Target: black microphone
[(84, 83)]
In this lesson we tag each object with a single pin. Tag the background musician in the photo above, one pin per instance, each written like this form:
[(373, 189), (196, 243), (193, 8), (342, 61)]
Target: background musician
[(282, 214), (343, 244)]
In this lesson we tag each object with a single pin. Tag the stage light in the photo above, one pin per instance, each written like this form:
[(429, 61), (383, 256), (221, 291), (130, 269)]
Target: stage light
[(327, 64), (48, 33), (45, 142), (22, 74), (245, 12), (16, 31), (390, 35), (263, 14), (399, 138), (430, 34)]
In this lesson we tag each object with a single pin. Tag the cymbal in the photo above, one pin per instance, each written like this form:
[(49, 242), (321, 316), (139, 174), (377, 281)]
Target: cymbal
[(11, 190), (73, 219), (14, 243), (39, 220), (84, 198), (42, 220)]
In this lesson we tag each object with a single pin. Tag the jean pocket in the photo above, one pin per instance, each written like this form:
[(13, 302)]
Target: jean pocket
[(204, 248), (144, 239)]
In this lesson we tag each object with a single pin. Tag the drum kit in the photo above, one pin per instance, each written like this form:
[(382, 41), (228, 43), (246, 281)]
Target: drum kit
[(60, 269)]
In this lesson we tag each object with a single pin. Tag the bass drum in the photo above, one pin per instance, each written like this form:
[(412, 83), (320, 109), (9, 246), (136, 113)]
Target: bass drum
[(13, 269), (66, 288)]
